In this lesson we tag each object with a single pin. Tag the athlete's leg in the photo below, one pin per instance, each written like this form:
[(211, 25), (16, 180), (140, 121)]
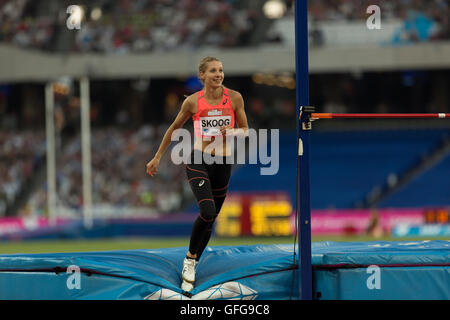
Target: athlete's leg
[(199, 180), (220, 178)]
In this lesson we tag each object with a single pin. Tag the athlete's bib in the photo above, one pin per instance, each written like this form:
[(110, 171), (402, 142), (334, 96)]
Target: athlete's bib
[(215, 119)]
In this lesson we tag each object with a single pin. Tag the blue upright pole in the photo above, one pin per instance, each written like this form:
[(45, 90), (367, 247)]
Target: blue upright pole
[(303, 135)]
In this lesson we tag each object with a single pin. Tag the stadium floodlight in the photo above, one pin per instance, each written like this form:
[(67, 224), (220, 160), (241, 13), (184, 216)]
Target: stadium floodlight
[(96, 13), (274, 9)]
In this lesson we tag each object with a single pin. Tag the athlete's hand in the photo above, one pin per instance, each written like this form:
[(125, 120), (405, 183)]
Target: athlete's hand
[(152, 166), (226, 130)]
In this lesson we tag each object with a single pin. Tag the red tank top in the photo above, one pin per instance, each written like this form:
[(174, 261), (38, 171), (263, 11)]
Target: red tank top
[(209, 119)]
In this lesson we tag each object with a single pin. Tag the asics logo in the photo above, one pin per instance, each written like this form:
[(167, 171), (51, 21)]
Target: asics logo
[(201, 183)]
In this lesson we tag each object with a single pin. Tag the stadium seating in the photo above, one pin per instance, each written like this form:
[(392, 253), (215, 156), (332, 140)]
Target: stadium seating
[(346, 166), (119, 182), (429, 189)]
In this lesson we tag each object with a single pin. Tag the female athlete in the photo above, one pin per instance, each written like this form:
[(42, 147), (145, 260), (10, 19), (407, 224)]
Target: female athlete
[(214, 111)]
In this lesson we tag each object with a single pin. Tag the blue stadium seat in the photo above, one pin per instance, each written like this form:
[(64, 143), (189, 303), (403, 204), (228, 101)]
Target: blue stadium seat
[(430, 189), (345, 165)]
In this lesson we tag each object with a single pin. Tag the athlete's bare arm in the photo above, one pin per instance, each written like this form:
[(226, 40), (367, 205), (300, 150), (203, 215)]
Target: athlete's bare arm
[(188, 108)]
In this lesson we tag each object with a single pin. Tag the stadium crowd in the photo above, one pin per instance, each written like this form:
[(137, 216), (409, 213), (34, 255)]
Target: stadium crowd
[(423, 20), (166, 25), (20, 153), (119, 183), (21, 26), (129, 26), (160, 25), (340, 10)]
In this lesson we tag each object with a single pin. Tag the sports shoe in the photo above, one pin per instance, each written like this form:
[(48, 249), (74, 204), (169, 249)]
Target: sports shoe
[(186, 286), (188, 273)]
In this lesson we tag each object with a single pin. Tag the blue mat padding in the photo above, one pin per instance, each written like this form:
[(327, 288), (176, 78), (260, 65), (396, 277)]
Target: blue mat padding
[(224, 272)]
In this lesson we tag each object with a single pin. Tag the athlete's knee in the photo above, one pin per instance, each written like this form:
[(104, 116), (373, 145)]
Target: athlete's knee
[(207, 211)]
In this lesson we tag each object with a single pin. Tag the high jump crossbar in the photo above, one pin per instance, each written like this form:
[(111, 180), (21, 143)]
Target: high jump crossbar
[(315, 116)]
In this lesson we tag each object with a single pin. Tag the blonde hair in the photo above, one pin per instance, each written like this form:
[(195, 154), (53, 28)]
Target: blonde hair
[(204, 64)]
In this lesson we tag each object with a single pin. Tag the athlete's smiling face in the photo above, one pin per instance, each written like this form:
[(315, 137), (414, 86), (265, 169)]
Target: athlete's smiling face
[(213, 76)]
